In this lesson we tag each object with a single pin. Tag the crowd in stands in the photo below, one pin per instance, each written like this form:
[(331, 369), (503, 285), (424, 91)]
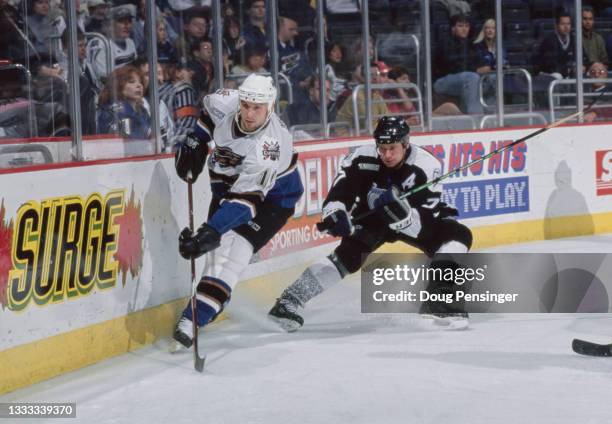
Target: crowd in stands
[(112, 53)]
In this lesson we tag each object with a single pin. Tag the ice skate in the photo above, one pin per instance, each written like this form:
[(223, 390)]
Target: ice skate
[(284, 313), (182, 336)]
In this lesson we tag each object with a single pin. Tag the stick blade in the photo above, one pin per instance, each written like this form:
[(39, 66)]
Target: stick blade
[(198, 363), (584, 347)]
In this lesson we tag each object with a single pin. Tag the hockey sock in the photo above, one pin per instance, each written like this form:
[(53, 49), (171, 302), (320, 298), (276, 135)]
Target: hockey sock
[(318, 277), (212, 296)]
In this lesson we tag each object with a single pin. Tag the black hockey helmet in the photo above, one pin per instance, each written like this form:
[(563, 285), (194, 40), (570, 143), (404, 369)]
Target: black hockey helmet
[(391, 130)]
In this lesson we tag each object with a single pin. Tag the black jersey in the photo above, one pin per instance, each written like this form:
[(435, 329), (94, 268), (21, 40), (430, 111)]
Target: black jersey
[(363, 170)]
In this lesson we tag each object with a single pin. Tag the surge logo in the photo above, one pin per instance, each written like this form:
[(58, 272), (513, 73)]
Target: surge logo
[(603, 174), (63, 247)]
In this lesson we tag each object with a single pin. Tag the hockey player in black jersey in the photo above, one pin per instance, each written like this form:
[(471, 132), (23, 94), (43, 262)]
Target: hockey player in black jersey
[(373, 177)]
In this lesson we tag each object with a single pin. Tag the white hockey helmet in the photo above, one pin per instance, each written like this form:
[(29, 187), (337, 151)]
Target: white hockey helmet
[(258, 89)]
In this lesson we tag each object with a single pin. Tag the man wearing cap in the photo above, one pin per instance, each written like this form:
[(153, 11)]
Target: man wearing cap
[(98, 13), (122, 47)]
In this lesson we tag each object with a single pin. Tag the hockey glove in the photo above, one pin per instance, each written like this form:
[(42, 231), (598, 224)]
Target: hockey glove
[(205, 239), (338, 222), (395, 210), (190, 157)]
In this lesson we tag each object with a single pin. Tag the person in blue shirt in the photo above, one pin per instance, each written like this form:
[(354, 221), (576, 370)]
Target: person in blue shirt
[(121, 108)]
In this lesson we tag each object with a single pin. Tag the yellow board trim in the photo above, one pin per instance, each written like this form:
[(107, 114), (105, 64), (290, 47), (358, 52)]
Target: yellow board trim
[(31, 363)]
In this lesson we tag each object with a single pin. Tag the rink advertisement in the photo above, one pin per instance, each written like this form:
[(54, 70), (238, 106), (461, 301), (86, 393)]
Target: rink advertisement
[(65, 247), (603, 172), (488, 282), (481, 191)]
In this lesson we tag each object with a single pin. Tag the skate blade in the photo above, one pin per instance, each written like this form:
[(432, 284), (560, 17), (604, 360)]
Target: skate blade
[(447, 323), (288, 325), (176, 347)]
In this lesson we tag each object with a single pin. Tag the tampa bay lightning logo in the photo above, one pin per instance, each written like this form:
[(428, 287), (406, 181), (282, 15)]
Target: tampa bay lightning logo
[(225, 157)]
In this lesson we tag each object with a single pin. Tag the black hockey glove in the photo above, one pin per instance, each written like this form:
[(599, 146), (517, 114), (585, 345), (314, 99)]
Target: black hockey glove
[(395, 210), (190, 157), (205, 239), (338, 222)]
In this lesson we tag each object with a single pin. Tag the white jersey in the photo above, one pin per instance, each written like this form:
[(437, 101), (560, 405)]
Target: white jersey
[(120, 54), (249, 164)]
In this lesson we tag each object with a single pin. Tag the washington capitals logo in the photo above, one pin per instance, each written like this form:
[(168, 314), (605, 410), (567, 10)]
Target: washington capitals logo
[(271, 149), (225, 157)]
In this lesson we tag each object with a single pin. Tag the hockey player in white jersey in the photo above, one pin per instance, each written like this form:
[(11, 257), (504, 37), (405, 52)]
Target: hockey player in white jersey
[(373, 177), (255, 186)]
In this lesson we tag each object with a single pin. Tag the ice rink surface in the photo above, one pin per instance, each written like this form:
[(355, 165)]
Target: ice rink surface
[(348, 367)]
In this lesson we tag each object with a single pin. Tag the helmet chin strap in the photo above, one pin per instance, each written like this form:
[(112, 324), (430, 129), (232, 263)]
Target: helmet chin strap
[(269, 115)]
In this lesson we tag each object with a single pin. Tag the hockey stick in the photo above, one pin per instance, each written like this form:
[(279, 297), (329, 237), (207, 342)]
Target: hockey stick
[(584, 347), (323, 227), (198, 362)]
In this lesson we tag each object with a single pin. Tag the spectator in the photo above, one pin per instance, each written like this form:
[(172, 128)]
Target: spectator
[(121, 105), (122, 47), (166, 124), (303, 13), (398, 101), (346, 112), (232, 40), (555, 55), (308, 111), (98, 13), (254, 31), (593, 43), (138, 32), (227, 11), (485, 44), (291, 60), (202, 65), (182, 5), (334, 55), (400, 75), (88, 91), (180, 97), (356, 56), (44, 25), (455, 66), (255, 59), (598, 71), (48, 86), (166, 52), (12, 39), (195, 28)]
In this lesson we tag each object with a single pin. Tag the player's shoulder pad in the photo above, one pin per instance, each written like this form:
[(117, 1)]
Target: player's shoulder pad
[(363, 158), (277, 127), (221, 103), (425, 160)]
